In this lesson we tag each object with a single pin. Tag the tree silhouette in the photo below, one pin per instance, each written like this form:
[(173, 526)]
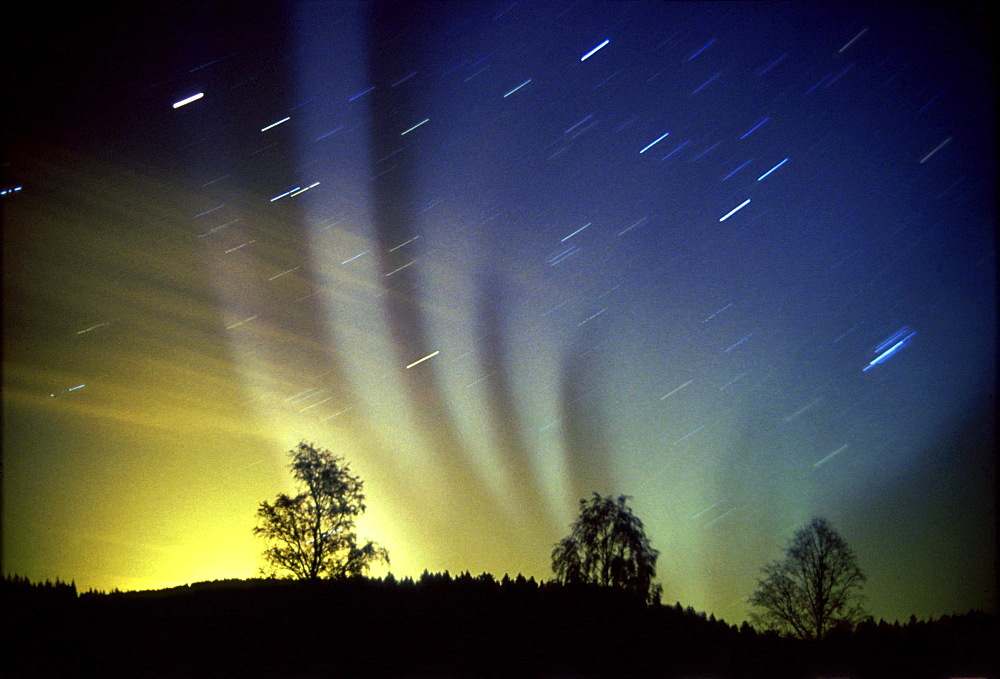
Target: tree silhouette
[(312, 534), (814, 589), (607, 546)]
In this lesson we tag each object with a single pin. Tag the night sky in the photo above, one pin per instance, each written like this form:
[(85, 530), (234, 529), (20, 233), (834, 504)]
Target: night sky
[(735, 260)]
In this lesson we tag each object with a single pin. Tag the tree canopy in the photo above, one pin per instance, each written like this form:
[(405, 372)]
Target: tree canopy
[(814, 589), (311, 534), (607, 546)]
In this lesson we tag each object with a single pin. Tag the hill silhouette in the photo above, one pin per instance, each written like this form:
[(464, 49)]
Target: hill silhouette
[(444, 626)]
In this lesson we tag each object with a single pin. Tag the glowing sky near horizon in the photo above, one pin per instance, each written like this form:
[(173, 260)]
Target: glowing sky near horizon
[(735, 260)]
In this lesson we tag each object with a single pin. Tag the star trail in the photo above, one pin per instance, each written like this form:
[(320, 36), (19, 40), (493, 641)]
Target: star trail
[(735, 260)]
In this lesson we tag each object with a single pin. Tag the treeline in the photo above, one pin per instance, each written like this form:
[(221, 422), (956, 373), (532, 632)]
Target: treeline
[(15, 588), (444, 626)]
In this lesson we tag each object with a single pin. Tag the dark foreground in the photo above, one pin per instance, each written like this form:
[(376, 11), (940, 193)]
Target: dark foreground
[(445, 627)]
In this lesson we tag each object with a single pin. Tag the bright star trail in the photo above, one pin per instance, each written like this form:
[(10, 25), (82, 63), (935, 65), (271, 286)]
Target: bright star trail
[(591, 52), (735, 209), (188, 100), (735, 260)]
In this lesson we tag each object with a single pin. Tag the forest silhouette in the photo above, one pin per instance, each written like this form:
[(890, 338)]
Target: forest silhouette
[(444, 626)]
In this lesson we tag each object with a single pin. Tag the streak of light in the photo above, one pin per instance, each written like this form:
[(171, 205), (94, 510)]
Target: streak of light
[(830, 456), (210, 211), (303, 190), (590, 318), (240, 246), (933, 99), (562, 256), (252, 464), (585, 119), (361, 94), (433, 203), (720, 517), (283, 120), (750, 131), (421, 360), (93, 327), (771, 65), (674, 391), (390, 155), (706, 509), (591, 52), (286, 193), (283, 273), (737, 170), (414, 127), (327, 134), (475, 382), (207, 63), (734, 380), (512, 6), (305, 396), (689, 434), (475, 74), (718, 312), (625, 124), (404, 79), (706, 150), (218, 179), (772, 169), (351, 259), (818, 83), (845, 334), (316, 404), (702, 86), (627, 229), (595, 87), (337, 414), (236, 325), (79, 386), (735, 210), (398, 246), (517, 88), (896, 336), (852, 40), (738, 343), (193, 97), (584, 129), (936, 149), (394, 271), (563, 240), (311, 391), (837, 77), (704, 47), (650, 144), (802, 410), (467, 353), (676, 150), (888, 353)]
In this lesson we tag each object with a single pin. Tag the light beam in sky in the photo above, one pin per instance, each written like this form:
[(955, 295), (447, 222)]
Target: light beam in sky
[(188, 100)]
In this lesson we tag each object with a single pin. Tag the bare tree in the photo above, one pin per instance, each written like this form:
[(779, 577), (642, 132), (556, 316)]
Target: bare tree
[(815, 588), (608, 546), (311, 535)]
